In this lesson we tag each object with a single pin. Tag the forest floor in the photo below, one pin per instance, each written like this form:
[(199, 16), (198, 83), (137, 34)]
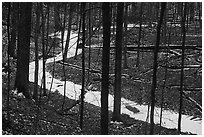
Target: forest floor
[(136, 86), (53, 121)]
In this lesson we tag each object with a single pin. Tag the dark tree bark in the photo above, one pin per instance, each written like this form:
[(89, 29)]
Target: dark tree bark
[(139, 37), (118, 62), (62, 42), (125, 65), (113, 21), (155, 65), (78, 39), (89, 41), (22, 74), (14, 23), (58, 25), (43, 50), (78, 14), (48, 28), (69, 31), (83, 5), (182, 65), (79, 31), (37, 31), (53, 70), (166, 64), (105, 67), (8, 61)]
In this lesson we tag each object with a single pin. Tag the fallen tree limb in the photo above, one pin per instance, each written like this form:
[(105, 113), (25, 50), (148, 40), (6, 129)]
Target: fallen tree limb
[(185, 88), (161, 48), (79, 67), (186, 66), (73, 105), (93, 71)]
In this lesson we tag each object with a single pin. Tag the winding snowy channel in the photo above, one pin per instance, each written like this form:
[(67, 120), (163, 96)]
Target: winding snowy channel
[(170, 118)]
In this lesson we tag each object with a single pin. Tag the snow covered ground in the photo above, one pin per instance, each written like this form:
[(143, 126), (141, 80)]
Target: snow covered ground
[(170, 118)]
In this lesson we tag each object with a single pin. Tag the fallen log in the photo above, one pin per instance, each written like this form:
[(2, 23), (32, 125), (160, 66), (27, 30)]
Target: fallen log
[(161, 48), (185, 67), (79, 67), (92, 70)]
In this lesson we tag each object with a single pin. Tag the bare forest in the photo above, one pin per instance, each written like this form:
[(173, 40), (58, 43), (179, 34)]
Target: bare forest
[(94, 68)]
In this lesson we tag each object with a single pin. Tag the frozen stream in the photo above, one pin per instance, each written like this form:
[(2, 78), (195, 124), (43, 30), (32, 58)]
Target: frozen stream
[(170, 118)]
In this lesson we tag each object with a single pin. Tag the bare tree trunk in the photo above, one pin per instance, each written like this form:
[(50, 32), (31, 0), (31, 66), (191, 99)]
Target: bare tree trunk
[(112, 19), (89, 41), (63, 61), (37, 31), (14, 23), (53, 70), (118, 62), (83, 6), (182, 66), (8, 57), (154, 77), (78, 39), (105, 68), (58, 26), (48, 27), (125, 65), (79, 31), (139, 37), (166, 64), (43, 50), (69, 31), (22, 74)]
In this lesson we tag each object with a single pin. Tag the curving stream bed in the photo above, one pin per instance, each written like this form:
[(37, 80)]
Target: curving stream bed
[(170, 118)]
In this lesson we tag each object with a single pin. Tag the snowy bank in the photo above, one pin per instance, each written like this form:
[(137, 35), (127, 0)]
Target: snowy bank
[(169, 120)]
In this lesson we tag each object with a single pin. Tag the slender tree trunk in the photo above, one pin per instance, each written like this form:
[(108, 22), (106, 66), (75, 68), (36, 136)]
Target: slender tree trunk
[(62, 41), (58, 26), (147, 118), (14, 20), (89, 41), (182, 64), (154, 77), (114, 20), (139, 37), (118, 62), (53, 53), (78, 14), (69, 31), (8, 57), (37, 31), (83, 5), (78, 39), (166, 64), (39, 11), (43, 50), (105, 67), (22, 74), (48, 27), (79, 31), (125, 65)]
